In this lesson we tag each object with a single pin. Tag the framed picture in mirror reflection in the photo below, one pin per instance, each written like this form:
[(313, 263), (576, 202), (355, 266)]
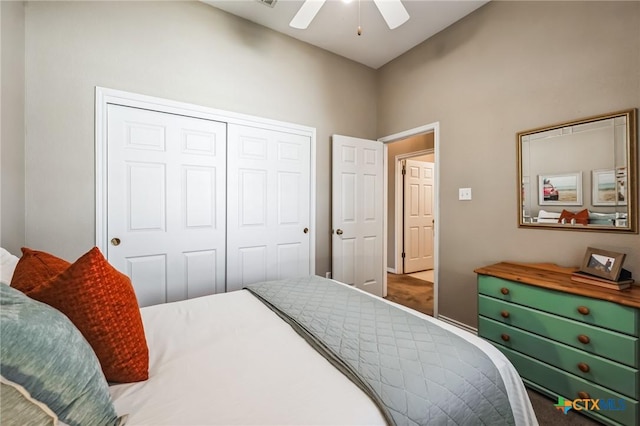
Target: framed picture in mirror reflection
[(561, 189), (608, 188)]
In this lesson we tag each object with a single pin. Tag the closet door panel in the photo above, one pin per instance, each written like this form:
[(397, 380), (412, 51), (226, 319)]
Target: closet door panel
[(268, 217), (252, 198), (166, 202), (200, 272), (252, 265), (149, 277)]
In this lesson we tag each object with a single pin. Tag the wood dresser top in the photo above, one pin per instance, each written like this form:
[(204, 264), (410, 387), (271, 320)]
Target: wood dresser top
[(554, 277)]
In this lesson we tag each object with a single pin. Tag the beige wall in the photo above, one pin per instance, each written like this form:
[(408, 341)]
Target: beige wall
[(429, 158), (184, 51), (12, 227), (508, 67), (404, 146)]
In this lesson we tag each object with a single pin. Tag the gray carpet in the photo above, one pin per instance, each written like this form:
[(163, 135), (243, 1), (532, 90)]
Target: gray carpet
[(548, 415)]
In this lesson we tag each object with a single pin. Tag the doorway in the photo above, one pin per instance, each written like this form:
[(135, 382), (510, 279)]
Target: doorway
[(421, 143)]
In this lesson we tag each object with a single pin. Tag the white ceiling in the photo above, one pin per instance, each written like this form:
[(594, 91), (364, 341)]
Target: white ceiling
[(334, 27)]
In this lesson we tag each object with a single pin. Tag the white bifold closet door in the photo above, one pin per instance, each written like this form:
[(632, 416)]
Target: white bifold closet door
[(197, 207), (166, 203), (268, 216)]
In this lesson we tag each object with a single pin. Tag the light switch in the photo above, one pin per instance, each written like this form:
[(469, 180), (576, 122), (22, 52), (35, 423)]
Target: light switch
[(464, 194)]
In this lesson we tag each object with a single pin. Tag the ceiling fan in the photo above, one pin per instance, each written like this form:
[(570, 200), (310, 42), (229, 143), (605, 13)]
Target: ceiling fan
[(392, 11)]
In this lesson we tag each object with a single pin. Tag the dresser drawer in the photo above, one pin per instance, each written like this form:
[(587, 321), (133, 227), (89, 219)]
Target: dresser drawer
[(600, 370), (606, 343), (605, 314), (569, 386)]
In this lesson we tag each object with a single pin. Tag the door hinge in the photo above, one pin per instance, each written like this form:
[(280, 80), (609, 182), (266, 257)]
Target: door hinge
[(404, 170), (403, 255)]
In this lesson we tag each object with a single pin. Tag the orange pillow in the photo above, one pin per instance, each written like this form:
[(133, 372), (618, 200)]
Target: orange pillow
[(101, 303), (582, 217), (35, 268)]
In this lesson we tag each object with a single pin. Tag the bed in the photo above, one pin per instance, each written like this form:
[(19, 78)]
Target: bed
[(229, 359), (243, 358)]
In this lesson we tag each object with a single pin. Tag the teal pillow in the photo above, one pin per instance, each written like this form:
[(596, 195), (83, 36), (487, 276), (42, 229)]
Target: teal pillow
[(46, 354), (19, 409)]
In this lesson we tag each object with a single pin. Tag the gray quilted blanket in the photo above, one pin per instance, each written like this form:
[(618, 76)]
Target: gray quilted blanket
[(417, 372)]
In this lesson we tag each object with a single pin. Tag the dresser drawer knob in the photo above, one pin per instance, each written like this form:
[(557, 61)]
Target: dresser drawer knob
[(584, 395), (505, 337), (584, 367), (504, 291), (504, 314), (584, 339), (583, 310)]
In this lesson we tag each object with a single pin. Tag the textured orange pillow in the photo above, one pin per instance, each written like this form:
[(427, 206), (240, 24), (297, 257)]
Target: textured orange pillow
[(582, 217), (35, 268), (101, 303)]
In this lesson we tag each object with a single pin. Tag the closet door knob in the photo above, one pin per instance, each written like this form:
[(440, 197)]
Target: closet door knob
[(115, 241), (305, 230), (339, 232)]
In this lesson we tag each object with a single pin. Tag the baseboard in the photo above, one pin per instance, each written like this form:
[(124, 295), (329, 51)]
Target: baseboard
[(458, 324)]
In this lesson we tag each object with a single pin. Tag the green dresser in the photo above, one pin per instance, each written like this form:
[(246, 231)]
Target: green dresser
[(566, 339)]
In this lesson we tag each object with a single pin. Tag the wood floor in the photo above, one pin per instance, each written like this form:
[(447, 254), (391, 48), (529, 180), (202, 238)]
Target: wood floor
[(411, 292)]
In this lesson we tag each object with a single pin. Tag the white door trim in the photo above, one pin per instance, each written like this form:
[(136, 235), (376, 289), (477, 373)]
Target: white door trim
[(435, 128), (105, 96)]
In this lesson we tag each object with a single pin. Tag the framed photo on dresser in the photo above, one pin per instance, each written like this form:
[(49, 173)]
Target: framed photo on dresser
[(602, 263)]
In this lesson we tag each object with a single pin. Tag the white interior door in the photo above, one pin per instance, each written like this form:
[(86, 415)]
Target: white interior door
[(268, 204), (357, 213), (166, 203), (418, 216)]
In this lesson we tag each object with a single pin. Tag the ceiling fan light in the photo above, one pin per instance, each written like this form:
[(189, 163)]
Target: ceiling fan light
[(393, 12)]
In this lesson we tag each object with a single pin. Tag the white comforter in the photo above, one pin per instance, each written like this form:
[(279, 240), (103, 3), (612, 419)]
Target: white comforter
[(227, 359)]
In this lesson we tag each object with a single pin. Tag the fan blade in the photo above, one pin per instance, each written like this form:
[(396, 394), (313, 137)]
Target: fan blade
[(305, 15), (393, 12)]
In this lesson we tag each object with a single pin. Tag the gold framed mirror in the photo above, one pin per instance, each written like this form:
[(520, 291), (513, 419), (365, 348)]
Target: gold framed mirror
[(580, 175)]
